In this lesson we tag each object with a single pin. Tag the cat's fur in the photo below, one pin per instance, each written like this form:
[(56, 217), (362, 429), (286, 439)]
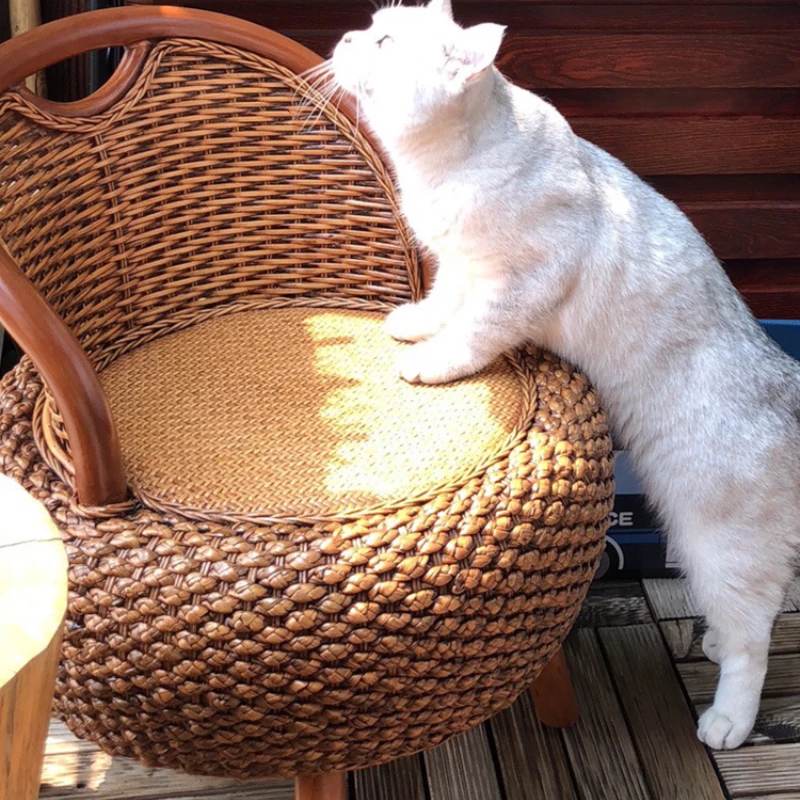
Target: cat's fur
[(542, 236)]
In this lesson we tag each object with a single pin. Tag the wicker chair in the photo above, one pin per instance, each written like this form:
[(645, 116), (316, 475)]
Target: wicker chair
[(283, 559)]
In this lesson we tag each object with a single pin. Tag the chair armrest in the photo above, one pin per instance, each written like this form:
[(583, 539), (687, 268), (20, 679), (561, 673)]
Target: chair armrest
[(73, 382)]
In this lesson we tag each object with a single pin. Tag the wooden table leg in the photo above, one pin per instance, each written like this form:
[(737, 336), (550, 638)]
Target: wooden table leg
[(33, 600), (553, 697), (331, 786)]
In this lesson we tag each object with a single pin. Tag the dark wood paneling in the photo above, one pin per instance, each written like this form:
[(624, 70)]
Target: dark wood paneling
[(771, 288), (749, 229), (674, 146), (714, 188), (654, 61), (756, 275), (5, 24), (523, 17), (774, 303), (673, 102)]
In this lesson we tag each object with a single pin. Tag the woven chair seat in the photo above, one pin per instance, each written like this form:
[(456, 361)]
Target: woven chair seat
[(308, 565), (298, 413)]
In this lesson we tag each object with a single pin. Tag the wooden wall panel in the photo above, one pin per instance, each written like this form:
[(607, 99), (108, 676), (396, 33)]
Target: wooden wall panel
[(749, 229), (701, 98), (698, 145), (5, 23), (673, 102), (646, 61)]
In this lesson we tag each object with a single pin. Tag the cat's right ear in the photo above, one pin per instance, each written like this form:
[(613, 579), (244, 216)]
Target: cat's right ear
[(442, 6), (477, 50)]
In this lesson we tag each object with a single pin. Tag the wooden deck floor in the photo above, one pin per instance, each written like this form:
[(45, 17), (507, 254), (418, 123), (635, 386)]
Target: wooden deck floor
[(641, 679)]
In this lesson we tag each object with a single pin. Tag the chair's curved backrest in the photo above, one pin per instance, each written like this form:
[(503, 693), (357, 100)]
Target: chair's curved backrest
[(205, 177)]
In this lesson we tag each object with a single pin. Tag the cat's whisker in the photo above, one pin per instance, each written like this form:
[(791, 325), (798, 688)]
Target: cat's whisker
[(319, 81), (316, 100), (342, 95), (318, 73), (323, 101), (322, 66)]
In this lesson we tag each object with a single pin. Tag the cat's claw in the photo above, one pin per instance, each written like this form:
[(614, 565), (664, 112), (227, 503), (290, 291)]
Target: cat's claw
[(411, 322), (720, 732)]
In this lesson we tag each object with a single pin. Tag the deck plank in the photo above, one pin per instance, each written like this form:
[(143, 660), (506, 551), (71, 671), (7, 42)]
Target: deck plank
[(614, 603), (748, 771), (659, 717), (533, 763), (792, 600), (398, 780), (670, 598), (781, 796), (700, 678), (462, 769), (685, 636), (610, 771)]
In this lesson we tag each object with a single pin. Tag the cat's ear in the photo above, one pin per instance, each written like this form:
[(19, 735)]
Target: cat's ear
[(442, 6), (478, 49)]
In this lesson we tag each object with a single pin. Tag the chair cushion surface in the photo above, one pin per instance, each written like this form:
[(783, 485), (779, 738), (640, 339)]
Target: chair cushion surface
[(299, 411)]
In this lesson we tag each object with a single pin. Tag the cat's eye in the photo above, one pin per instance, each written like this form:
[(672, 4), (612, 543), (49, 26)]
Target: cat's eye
[(384, 39)]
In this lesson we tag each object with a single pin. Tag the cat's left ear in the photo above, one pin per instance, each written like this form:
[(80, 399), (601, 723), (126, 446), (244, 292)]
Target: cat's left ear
[(478, 49)]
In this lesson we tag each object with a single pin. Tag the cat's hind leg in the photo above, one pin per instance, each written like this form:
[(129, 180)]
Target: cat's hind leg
[(711, 645), (738, 584)]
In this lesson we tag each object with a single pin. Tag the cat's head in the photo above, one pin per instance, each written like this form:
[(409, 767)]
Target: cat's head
[(413, 62)]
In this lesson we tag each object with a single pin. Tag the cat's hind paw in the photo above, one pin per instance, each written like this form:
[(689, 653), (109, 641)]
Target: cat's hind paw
[(720, 732)]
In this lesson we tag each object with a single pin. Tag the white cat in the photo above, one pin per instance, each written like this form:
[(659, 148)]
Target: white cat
[(540, 235)]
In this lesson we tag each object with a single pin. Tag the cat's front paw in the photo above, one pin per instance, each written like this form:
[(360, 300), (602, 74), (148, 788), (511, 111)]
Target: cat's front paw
[(412, 322), (724, 731), (428, 362)]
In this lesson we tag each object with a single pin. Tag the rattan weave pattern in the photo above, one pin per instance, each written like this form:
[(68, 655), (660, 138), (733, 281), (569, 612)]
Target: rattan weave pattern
[(263, 646), (216, 181)]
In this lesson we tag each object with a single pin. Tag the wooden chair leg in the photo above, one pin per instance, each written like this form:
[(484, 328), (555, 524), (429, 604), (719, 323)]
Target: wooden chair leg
[(33, 600), (553, 697), (332, 786)]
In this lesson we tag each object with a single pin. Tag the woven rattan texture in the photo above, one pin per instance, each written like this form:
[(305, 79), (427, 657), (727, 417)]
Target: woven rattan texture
[(252, 647), (276, 649), (216, 182), (299, 412)]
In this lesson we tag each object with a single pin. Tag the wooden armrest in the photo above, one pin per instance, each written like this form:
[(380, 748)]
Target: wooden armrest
[(24, 313), (33, 602)]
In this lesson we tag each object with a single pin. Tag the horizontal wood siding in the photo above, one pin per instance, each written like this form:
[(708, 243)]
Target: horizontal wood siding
[(701, 99)]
